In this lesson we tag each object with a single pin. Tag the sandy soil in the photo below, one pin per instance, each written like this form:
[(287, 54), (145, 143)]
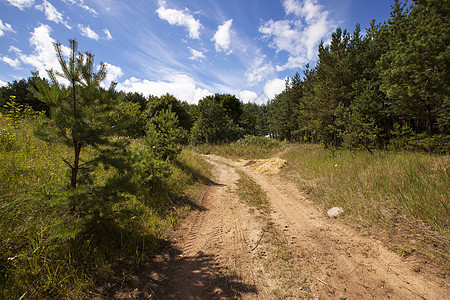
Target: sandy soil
[(221, 252)]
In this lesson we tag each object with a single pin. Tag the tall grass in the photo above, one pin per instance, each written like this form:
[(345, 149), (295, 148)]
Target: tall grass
[(37, 261), (403, 194), (249, 147)]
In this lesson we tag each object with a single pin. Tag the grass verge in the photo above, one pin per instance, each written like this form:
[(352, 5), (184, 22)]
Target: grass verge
[(401, 198), (249, 147), (37, 261)]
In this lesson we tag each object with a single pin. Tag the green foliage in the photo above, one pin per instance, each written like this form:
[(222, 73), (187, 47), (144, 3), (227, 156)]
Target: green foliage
[(214, 123), (254, 119), (7, 140), (51, 252), (258, 140), (165, 102), (361, 86), (414, 71), (159, 148), (164, 136), (22, 90), (16, 111), (127, 119), (80, 112), (248, 147), (137, 98)]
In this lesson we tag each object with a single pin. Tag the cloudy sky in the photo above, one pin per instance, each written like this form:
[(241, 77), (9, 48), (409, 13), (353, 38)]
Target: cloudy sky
[(189, 48)]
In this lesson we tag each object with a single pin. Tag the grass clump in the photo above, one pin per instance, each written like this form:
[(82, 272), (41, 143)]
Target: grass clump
[(250, 192), (401, 196), (249, 147)]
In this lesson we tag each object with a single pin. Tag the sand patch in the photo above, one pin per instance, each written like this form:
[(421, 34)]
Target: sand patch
[(269, 166)]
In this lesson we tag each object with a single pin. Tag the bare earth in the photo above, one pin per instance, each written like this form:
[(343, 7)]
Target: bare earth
[(224, 250)]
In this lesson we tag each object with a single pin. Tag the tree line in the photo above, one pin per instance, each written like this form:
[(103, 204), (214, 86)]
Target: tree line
[(385, 89), (216, 118)]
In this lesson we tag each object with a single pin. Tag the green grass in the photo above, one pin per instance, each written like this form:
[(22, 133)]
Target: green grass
[(250, 147), (401, 197), (38, 261), (250, 192)]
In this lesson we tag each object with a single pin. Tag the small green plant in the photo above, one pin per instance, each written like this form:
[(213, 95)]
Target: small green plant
[(7, 140), (14, 110)]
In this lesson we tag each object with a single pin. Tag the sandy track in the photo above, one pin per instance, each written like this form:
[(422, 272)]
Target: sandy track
[(214, 256), (340, 261)]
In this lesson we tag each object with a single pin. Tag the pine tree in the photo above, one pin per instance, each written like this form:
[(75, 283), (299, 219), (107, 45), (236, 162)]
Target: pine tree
[(414, 72), (79, 111)]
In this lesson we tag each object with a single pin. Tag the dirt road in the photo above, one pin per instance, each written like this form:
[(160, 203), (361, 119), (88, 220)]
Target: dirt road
[(226, 249)]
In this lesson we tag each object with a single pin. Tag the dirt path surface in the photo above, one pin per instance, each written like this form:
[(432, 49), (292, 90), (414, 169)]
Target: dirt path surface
[(227, 250)]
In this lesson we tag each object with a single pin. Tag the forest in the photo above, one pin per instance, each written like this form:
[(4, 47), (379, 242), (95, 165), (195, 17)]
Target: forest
[(89, 174)]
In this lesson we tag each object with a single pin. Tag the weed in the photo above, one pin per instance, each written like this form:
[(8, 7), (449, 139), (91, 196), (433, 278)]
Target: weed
[(252, 194)]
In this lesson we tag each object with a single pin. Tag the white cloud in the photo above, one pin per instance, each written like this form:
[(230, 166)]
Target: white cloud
[(88, 32), (284, 36), (14, 49), (293, 62), (2, 83), (258, 71), (249, 97), (80, 3), (274, 87), (309, 10), (5, 27), (51, 13), (292, 6), (299, 37), (181, 86), (15, 63), (21, 4), (43, 56), (108, 34), (222, 37), (196, 55), (180, 18), (112, 74)]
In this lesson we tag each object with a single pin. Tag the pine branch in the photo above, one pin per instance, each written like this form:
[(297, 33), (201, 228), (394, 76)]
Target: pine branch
[(67, 163)]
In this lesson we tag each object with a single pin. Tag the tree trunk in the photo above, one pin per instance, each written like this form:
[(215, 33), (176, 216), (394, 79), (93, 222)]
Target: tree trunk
[(76, 164)]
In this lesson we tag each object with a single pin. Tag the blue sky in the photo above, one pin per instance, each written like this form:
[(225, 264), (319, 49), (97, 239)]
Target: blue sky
[(189, 48)]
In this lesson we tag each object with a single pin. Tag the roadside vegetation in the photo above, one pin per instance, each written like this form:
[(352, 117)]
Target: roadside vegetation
[(50, 251), (400, 197), (89, 188), (249, 147)]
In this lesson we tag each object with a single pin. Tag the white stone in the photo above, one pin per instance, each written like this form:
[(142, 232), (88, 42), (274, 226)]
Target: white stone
[(335, 211)]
